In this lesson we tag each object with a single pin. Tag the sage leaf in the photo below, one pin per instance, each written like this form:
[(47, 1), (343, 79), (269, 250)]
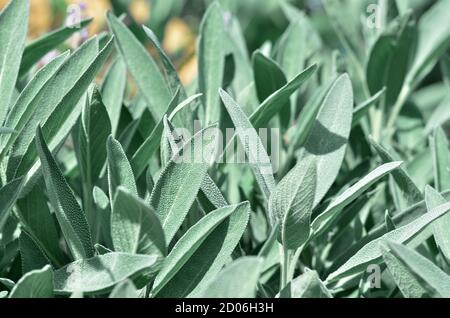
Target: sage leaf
[(236, 280), (34, 284), (67, 210), (135, 228)]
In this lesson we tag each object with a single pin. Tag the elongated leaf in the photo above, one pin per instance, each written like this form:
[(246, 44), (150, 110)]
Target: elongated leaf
[(401, 177), (13, 31), (292, 201), (201, 253), (440, 228), (98, 275), (189, 243), (390, 58), (135, 228), (119, 169), (236, 280), (211, 61), (433, 39), (94, 130), (307, 285), (142, 67), (145, 152), (259, 160), (170, 71), (24, 106), (299, 41), (34, 284), (68, 212), (441, 160), (178, 184), (64, 115), (8, 196), (405, 280), (325, 219), (329, 136), (362, 109), (308, 116), (36, 219), (212, 193), (33, 258), (422, 268), (37, 49), (113, 91), (268, 75), (275, 102), (52, 92), (370, 253)]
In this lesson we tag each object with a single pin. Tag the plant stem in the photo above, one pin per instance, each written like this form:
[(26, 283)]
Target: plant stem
[(284, 268), (401, 100)]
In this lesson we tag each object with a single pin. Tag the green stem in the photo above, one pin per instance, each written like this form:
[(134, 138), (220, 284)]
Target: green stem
[(401, 100), (284, 268)]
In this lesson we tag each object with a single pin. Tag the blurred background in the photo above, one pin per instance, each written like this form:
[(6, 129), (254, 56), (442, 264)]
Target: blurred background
[(176, 22)]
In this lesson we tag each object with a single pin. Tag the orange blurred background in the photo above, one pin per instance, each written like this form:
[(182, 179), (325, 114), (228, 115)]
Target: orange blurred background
[(178, 39)]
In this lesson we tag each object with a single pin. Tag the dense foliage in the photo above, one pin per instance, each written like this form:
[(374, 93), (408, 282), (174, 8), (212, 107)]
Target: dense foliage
[(349, 199)]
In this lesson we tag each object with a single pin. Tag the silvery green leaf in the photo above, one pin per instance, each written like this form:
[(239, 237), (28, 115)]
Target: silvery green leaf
[(142, 67), (179, 182), (307, 285), (32, 256), (405, 280), (67, 210), (13, 32), (8, 196), (390, 59), (113, 91), (409, 189), (65, 114), (211, 61), (331, 213), (212, 192), (119, 169), (275, 102), (98, 275), (236, 280), (37, 220), (361, 110), (329, 136), (440, 228), (146, 150), (259, 160), (432, 40), (370, 253), (135, 228), (201, 253), (38, 48), (268, 75), (25, 105), (423, 269), (170, 71), (34, 284), (291, 203), (93, 129)]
